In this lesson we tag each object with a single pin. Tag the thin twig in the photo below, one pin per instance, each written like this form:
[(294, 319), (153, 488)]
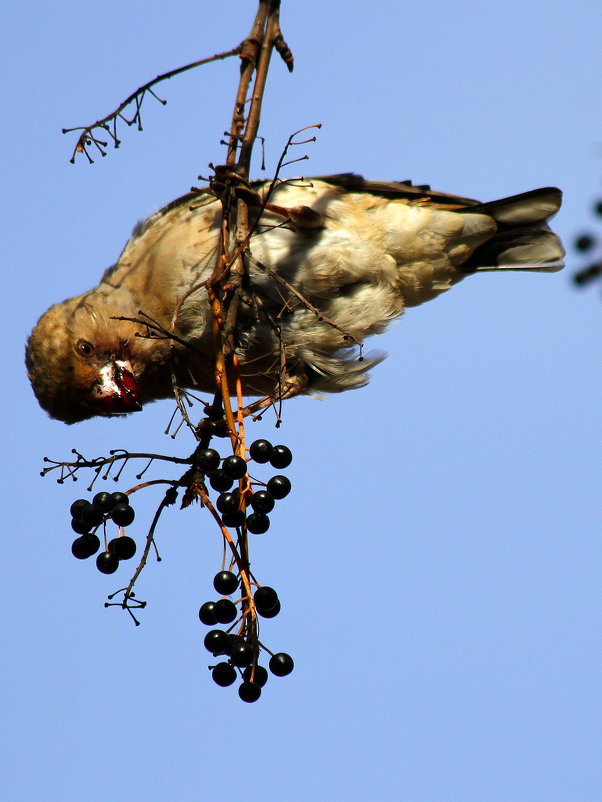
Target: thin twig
[(100, 462), (86, 137), (168, 499), (322, 318)]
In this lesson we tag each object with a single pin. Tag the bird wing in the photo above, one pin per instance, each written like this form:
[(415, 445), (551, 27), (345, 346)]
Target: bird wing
[(397, 190)]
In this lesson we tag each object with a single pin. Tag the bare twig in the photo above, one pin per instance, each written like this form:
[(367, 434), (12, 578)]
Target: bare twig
[(87, 137), (168, 499), (115, 455), (322, 318)]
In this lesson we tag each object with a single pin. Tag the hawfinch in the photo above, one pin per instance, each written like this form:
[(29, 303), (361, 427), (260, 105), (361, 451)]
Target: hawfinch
[(332, 261)]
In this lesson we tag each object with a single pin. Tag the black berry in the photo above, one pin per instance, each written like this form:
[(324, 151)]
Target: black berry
[(265, 598), (220, 482), (272, 612), (77, 507), (225, 582), (228, 502), (92, 514), (123, 514), (242, 655), (258, 523), (207, 459), (261, 451), (260, 675), (234, 641), (224, 674), (123, 547), (119, 498), (279, 486), (234, 467), (281, 664), (233, 518), (104, 501), (85, 546), (107, 563), (281, 457), (224, 611), (262, 501), (206, 614), (217, 641), (249, 691), (79, 526)]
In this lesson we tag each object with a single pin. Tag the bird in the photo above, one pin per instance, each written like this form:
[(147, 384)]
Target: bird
[(332, 260)]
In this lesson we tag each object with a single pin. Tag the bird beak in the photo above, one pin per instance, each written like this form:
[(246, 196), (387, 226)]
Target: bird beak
[(116, 392)]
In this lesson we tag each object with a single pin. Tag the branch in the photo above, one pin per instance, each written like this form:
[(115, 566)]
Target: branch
[(128, 594), (322, 318), (87, 138), (68, 470)]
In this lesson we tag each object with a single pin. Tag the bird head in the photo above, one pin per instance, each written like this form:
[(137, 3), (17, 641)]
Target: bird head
[(81, 362)]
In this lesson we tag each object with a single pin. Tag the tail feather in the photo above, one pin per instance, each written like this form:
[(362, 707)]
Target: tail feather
[(536, 206), (523, 240)]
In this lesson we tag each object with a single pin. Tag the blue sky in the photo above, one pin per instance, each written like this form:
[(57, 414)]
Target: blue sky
[(439, 558)]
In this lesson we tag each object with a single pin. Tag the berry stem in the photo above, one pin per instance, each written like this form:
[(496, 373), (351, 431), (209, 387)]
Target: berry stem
[(149, 483), (165, 502)]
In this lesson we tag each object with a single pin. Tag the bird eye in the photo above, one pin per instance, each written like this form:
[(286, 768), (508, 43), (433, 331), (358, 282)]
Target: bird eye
[(84, 348)]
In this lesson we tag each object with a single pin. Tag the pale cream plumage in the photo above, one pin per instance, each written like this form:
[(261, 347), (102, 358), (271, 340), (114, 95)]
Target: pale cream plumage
[(377, 248)]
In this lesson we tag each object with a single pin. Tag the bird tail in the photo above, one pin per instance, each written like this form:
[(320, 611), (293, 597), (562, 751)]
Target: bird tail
[(523, 240)]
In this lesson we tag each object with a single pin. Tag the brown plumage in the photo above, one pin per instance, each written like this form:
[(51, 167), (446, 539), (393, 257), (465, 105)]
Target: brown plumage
[(368, 250)]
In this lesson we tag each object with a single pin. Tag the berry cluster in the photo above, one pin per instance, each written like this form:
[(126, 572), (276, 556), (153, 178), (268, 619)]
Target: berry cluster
[(242, 655), (246, 505), (87, 516), (242, 502), (234, 468)]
